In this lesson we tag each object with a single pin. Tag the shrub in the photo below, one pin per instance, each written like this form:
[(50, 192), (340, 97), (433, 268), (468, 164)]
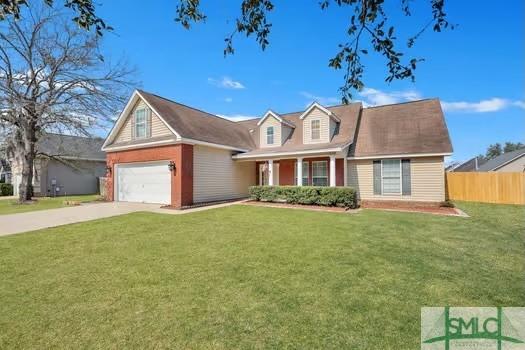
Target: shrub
[(308, 195), (6, 189)]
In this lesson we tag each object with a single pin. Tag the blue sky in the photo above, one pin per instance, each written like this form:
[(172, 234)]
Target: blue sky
[(477, 70)]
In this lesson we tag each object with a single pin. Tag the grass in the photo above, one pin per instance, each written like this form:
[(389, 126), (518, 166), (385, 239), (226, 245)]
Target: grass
[(11, 206), (244, 277)]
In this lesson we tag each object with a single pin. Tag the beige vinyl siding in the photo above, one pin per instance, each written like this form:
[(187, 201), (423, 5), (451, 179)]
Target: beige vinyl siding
[(333, 126), (286, 131), (324, 119), (270, 121), (427, 176), (517, 165), (158, 128), (217, 177)]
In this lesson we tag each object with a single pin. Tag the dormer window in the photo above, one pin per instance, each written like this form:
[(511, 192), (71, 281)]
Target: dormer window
[(140, 123), (269, 135), (316, 129)]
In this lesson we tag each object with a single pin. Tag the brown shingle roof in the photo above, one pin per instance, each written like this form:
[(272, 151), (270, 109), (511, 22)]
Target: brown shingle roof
[(405, 128), (194, 124)]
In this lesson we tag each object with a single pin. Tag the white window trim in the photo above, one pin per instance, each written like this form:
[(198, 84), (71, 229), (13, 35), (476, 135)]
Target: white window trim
[(321, 177), (400, 179), (145, 122), (273, 135), (312, 129)]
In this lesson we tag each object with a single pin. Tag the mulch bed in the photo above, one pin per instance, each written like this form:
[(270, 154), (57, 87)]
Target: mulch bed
[(300, 206), (416, 207), (198, 205)]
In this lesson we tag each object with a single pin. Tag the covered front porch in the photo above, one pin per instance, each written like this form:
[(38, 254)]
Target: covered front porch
[(318, 170)]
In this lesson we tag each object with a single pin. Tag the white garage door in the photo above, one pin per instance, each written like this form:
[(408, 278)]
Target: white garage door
[(144, 183)]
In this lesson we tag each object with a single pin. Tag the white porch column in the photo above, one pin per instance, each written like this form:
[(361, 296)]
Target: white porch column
[(345, 171), (270, 172), (332, 171), (299, 171)]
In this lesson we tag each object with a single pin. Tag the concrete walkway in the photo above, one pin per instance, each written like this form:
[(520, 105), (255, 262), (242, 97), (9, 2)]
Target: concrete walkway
[(36, 220)]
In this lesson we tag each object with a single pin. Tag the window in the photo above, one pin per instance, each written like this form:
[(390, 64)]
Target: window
[(269, 135), (305, 173), (140, 123), (320, 173), (391, 176), (316, 129)]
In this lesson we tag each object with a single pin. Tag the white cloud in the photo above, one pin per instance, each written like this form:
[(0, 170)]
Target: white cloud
[(374, 97), (322, 100), (520, 104), (236, 117), (226, 83), (491, 105), (228, 99)]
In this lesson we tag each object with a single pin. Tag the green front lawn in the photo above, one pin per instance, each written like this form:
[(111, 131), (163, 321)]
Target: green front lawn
[(245, 277), (11, 206)]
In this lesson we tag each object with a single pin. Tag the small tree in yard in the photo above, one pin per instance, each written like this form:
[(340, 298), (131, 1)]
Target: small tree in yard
[(53, 78)]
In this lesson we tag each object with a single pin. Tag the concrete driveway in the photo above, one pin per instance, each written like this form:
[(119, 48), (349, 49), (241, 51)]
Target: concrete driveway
[(35, 220)]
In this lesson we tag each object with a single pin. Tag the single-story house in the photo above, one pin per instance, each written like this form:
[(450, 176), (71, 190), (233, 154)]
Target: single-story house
[(5, 171), (472, 164), (507, 162), (161, 151), (65, 165)]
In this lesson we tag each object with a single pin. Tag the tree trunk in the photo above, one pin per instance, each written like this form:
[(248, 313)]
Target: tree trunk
[(25, 189)]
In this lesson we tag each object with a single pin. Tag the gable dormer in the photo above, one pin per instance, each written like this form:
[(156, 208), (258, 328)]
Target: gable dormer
[(319, 124), (138, 123), (273, 130)]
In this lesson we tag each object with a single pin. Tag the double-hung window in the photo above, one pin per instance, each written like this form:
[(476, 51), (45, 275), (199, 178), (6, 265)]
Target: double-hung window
[(316, 129), (391, 176), (320, 173), (140, 123), (269, 135)]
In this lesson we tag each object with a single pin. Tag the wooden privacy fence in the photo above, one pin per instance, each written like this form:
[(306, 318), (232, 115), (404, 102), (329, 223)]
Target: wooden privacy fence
[(490, 187)]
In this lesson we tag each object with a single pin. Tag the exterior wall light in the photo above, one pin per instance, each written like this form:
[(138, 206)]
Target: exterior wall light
[(171, 166)]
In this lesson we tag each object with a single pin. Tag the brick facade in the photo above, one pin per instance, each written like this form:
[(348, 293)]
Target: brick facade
[(182, 177), (287, 170)]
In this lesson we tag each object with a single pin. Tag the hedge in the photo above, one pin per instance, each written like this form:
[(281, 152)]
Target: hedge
[(6, 189), (310, 195)]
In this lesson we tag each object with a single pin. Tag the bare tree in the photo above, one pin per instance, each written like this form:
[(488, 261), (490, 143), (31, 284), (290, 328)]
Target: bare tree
[(53, 78)]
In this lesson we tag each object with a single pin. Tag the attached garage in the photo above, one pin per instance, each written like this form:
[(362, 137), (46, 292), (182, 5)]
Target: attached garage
[(143, 183)]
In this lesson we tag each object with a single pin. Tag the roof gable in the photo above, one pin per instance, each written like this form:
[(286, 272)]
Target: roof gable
[(320, 107), (276, 116), (124, 115)]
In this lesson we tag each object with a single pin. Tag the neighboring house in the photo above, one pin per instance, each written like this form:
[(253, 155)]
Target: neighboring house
[(5, 171), (507, 162), (65, 165), (472, 164), (160, 151)]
